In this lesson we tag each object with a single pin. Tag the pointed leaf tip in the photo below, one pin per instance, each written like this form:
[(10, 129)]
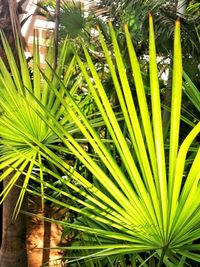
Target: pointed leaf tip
[(126, 26), (178, 22), (110, 23), (150, 18)]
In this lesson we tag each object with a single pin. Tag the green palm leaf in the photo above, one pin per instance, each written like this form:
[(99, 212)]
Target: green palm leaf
[(21, 128), (145, 205)]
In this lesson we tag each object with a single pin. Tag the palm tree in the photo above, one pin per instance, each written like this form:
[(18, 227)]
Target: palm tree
[(13, 242), (17, 85), (144, 195), (13, 248), (135, 201)]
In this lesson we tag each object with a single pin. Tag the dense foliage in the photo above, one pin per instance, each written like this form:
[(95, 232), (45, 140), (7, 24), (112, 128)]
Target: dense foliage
[(90, 137)]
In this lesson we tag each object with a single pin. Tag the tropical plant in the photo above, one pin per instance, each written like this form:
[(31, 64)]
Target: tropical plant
[(134, 12), (13, 233), (73, 19), (21, 125), (143, 196), (18, 125)]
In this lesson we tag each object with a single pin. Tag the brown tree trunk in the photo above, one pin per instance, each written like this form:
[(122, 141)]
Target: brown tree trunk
[(6, 25), (13, 248), (47, 236)]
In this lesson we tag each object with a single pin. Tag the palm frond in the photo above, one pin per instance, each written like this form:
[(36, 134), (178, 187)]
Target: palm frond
[(21, 127), (149, 204)]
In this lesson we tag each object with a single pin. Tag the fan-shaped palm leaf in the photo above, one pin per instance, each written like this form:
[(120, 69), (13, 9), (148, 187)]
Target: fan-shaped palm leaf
[(21, 128), (138, 200)]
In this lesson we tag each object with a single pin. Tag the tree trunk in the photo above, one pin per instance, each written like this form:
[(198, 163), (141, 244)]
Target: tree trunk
[(13, 247), (47, 236), (6, 25)]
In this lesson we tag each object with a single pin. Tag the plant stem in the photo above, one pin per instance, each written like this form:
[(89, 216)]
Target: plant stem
[(162, 256)]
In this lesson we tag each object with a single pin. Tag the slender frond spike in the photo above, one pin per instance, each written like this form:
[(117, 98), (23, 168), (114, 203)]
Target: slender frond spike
[(157, 127)]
